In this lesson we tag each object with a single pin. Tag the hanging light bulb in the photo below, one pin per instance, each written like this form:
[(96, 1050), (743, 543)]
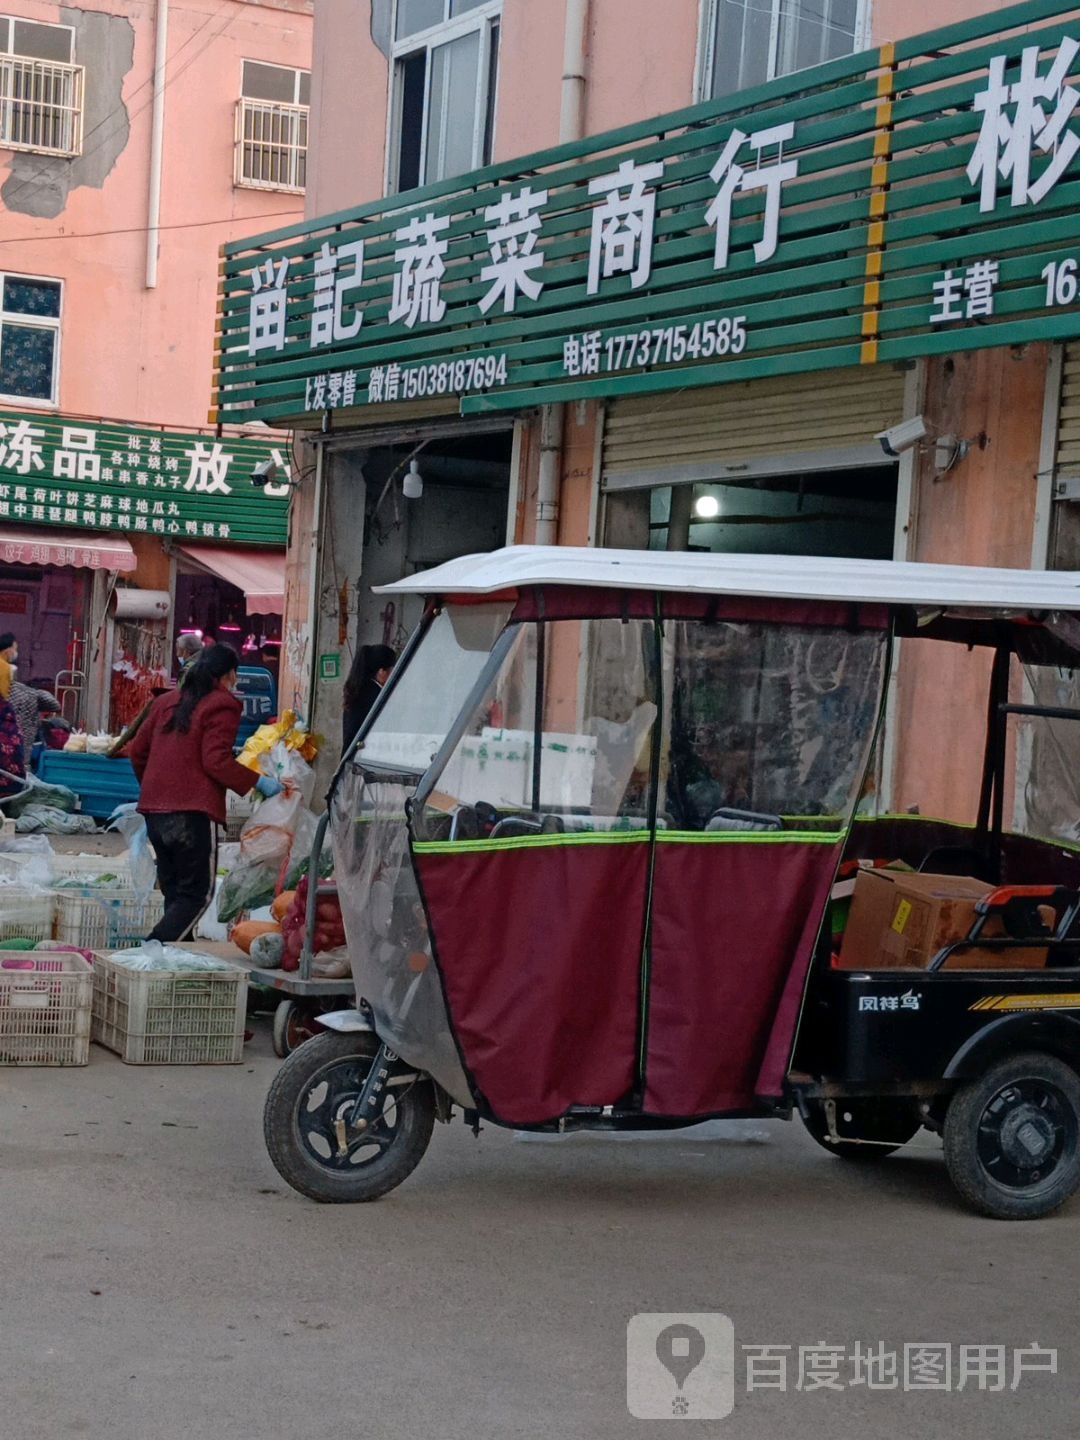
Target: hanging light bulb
[(706, 507), (413, 484)]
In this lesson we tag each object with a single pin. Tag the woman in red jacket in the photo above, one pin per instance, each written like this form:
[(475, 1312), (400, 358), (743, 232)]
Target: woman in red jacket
[(183, 757)]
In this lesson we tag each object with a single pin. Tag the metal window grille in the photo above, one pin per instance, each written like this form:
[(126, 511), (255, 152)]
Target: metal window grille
[(41, 105), (271, 145)]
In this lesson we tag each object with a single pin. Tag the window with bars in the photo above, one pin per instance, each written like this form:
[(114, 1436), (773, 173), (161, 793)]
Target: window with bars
[(446, 59), (747, 42), (272, 127), (41, 90), (29, 337)]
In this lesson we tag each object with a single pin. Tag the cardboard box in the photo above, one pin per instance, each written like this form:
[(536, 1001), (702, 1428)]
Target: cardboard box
[(900, 921)]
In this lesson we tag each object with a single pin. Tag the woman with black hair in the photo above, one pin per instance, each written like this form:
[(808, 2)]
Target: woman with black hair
[(369, 672), (183, 757)]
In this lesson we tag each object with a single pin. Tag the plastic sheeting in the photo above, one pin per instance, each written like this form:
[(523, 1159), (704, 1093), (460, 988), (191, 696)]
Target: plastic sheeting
[(389, 945)]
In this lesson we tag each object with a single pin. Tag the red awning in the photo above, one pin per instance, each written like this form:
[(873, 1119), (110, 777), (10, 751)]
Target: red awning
[(260, 574), (65, 547)]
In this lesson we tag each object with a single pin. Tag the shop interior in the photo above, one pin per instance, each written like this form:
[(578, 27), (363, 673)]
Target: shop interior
[(216, 611), (45, 608), (842, 512)]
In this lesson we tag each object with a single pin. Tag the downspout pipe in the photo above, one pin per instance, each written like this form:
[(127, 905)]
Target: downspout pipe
[(157, 139), (571, 127)]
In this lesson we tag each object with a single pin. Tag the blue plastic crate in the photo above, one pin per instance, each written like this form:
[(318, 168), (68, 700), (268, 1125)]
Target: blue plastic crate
[(102, 784)]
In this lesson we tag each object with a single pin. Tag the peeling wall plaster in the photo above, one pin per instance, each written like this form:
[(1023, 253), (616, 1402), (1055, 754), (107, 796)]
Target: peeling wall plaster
[(39, 185)]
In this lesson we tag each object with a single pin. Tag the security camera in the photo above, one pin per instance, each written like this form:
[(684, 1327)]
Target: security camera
[(265, 473), (904, 436)]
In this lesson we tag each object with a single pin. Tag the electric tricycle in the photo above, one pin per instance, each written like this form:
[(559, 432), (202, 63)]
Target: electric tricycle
[(597, 843)]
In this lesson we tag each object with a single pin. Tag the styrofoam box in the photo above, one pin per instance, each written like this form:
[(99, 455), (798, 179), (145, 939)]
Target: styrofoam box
[(45, 1011), (161, 1017)]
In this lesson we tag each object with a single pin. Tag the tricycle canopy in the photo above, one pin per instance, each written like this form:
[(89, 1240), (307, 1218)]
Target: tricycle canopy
[(586, 840)]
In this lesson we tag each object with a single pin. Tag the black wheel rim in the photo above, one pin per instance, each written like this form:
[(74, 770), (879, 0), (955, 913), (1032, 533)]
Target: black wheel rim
[(329, 1096), (1027, 1133)]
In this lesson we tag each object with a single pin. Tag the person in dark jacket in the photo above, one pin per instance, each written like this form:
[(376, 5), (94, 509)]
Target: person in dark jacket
[(369, 673), (183, 758)]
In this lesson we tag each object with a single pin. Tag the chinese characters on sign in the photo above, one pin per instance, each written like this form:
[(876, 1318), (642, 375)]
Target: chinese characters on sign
[(104, 477), (834, 232)]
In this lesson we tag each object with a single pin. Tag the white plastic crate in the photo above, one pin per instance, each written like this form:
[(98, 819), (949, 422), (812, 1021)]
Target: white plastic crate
[(160, 1017), (45, 1011), (105, 919), (90, 869), (26, 912)]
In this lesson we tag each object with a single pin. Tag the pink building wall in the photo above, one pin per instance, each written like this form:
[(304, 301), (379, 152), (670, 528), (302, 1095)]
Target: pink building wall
[(138, 354)]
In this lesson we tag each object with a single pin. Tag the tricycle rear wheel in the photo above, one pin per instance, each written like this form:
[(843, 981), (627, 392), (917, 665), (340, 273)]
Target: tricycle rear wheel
[(317, 1086), (1012, 1137), (876, 1126)]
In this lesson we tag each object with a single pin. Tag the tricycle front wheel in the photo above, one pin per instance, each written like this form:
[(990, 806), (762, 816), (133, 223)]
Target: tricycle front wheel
[(303, 1122), (867, 1128), (1012, 1137)]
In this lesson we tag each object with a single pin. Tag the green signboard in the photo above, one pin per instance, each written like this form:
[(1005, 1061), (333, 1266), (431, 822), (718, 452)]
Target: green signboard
[(101, 475), (920, 198)]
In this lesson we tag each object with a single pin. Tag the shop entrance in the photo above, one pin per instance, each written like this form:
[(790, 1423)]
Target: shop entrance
[(45, 609), (392, 509), (784, 466), (847, 513)]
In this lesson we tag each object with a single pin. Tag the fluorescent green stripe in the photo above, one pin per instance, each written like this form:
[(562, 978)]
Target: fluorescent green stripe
[(750, 837), (530, 842), (629, 837)]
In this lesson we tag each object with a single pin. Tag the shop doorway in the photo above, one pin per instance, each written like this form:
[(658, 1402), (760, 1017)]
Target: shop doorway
[(848, 513), (392, 510), (214, 610), (46, 610)]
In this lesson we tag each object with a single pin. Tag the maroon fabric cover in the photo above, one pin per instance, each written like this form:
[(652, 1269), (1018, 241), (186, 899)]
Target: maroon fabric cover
[(540, 954), (733, 931), (580, 602), (192, 771)]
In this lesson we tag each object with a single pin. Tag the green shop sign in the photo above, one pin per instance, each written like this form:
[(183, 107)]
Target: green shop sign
[(100, 475), (917, 199)]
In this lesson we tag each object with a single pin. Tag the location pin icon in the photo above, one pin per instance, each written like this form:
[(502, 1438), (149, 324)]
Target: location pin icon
[(680, 1349)]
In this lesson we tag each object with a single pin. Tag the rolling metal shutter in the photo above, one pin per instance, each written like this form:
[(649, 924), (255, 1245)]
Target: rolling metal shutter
[(785, 425), (1067, 462)]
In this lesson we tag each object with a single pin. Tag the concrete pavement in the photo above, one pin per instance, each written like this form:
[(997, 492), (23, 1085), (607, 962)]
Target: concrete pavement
[(161, 1283)]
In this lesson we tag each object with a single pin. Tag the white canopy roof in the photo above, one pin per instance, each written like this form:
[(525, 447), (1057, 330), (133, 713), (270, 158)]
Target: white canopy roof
[(801, 577)]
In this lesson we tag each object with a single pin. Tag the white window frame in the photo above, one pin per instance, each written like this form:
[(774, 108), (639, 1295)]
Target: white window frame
[(44, 322), (296, 107), (480, 18), (706, 46), (74, 76), (46, 25), (297, 71)]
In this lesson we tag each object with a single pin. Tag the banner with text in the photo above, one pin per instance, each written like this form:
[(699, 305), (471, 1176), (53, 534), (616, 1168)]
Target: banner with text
[(918, 198), (102, 475)]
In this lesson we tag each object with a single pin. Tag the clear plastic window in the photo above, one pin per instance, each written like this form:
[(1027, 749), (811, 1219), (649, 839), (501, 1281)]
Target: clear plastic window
[(767, 727), (428, 696), (561, 740)]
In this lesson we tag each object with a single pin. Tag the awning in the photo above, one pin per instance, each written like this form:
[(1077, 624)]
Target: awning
[(65, 547), (260, 574)]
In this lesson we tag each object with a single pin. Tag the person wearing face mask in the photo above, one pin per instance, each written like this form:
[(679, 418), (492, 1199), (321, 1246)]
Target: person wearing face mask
[(183, 758), (9, 654), (369, 672)]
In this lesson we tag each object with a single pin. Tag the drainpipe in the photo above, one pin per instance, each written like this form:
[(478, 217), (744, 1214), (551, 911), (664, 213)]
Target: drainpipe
[(157, 137), (571, 127)]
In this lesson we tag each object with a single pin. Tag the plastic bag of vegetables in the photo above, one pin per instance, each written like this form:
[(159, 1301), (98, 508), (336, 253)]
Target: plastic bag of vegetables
[(248, 886)]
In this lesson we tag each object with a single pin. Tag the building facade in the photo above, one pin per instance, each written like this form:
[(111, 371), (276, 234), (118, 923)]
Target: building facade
[(134, 140), (594, 280)]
